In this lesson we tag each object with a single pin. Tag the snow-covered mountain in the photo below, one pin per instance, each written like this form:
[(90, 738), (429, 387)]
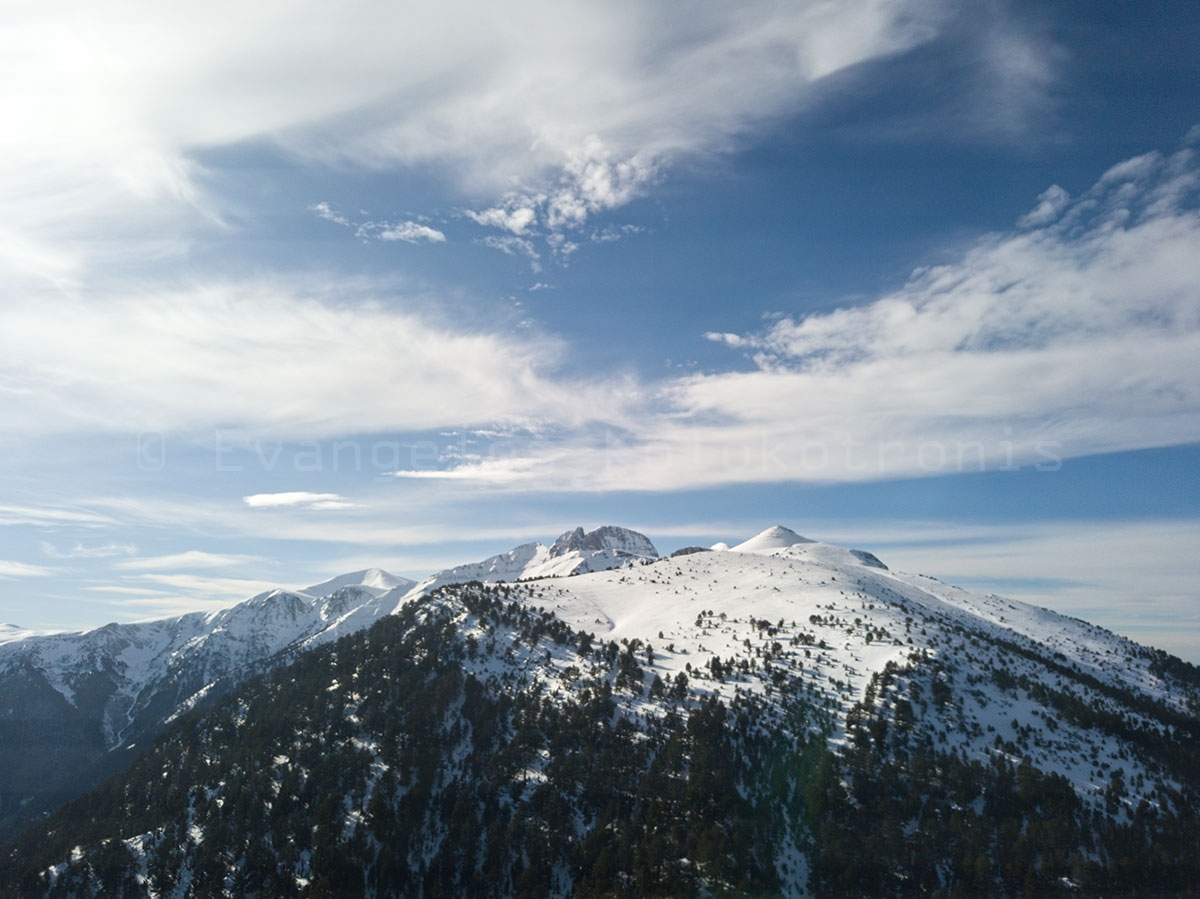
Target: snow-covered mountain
[(821, 645), (752, 716), (839, 619), (574, 552), (72, 703), (372, 580), (775, 537), (78, 701)]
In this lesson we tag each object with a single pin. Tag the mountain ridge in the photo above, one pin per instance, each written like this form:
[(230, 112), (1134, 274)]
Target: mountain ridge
[(884, 663)]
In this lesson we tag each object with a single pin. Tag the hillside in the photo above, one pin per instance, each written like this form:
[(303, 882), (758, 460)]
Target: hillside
[(784, 718), (77, 706)]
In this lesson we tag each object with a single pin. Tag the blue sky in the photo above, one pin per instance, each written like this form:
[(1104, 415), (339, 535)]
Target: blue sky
[(289, 291)]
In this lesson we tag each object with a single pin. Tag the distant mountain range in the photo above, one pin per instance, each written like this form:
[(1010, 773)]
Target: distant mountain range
[(798, 694)]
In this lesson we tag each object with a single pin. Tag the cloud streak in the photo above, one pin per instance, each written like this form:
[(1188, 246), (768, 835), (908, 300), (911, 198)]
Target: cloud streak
[(544, 114), (275, 357), (1072, 334), (79, 551), (298, 498), (192, 559), (9, 569)]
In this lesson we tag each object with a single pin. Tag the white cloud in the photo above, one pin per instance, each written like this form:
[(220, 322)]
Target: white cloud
[(581, 102), (411, 232), (45, 517), (486, 471), (1052, 201), (191, 559), (79, 551), (513, 246), (516, 219), (10, 569), (1070, 338), (323, 210), (179, 594), (1082, 332), (297, 498), (277, 358)]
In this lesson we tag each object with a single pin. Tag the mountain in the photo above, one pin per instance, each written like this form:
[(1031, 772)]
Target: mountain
[(793, 718), (74, 706), (81, 703), (574, 552), (776, 537), (373, 580)]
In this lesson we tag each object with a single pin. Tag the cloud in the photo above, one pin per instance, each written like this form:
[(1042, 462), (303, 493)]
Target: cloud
[(277, 357), (1071, 337), (106, 551), (485, 471), (1074, 336), (191, 559), (581, 104), (410, 232), (1052, 201), (323, 210), (514, 246), (20, 569), (516, 219), (178, 594), (44, 517), (297, 498)]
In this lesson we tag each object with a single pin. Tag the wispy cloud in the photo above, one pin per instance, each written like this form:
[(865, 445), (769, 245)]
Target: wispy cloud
[(190, 560), (570, 110), (1072, 334), (1050, 205), (9, 569), (409, 232), (79, 551), (322, 359), (208, 588), (323, 210), (405, 231), (515, 246), (320, 501), (155, 595), (49, 517)]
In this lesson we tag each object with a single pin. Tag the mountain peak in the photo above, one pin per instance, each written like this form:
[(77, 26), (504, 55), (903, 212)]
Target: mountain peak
[(608, 537), (774, 537), (375, 580)]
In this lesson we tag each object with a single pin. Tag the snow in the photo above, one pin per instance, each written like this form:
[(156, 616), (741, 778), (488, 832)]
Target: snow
[(574, 552), (775, 537), (11, 633), (777, 609), (374, 580), (839, 616), (825, 617), (134, 662)]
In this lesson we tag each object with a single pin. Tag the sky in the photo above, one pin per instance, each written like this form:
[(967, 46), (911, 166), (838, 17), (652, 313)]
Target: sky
[(288, 290)]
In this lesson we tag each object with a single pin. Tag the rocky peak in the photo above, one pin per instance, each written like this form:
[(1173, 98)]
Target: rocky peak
[(609, 537)]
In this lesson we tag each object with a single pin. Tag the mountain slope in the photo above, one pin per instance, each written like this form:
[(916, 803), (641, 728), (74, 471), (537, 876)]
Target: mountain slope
[(574, 552), (71, 703), (78, 702), (372, 580), (790, 719)]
